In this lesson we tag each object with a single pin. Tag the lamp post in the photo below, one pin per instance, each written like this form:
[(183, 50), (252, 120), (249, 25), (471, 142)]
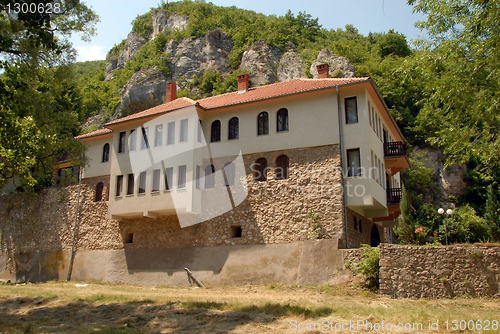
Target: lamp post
[(448, 212)]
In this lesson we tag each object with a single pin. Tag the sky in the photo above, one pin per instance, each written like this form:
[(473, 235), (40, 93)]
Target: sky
[(365, 15)]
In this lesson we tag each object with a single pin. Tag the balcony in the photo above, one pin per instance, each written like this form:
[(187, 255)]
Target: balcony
[(393, 210), (395, 156), (393, 196), (394, 149)]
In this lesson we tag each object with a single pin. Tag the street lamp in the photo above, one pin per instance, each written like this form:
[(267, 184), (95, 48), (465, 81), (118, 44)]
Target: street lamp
[(448, 212)]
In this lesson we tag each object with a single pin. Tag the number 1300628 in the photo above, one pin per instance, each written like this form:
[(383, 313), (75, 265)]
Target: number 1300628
[(40, 8), (485, 325)]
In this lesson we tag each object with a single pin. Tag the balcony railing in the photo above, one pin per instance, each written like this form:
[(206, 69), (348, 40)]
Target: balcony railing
[(394, 149), (393, 195)]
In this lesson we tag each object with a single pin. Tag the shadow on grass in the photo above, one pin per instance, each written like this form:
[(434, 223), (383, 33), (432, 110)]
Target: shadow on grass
[(41, 315), (273, 309)]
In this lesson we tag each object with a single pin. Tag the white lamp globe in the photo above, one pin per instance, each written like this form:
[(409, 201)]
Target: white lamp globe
[(440, 211), (449, 212)]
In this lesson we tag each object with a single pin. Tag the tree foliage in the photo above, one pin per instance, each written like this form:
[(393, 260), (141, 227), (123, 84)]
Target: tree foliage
[(38, 90), (460, 109)]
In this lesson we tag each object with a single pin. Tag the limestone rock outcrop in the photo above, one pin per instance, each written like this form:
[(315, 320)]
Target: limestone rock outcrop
[(132, 45), (339, 66), (167, 22), (146, 89), (291, 66), (261, 62), (190, 57)]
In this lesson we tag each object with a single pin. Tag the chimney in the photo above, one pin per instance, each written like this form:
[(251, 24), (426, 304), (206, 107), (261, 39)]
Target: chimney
[(243, 83), (171, 93), (323, 71)]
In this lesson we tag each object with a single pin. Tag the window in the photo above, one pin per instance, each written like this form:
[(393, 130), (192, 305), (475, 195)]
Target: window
[(282, 167), (121, 142), (198, 176), (215, 133), (376, 125), (181, 180), (236, 231), (184, 130), (119, 185), (369, 113), (156, 180), (282, 120), (142, 183), (159, 135), (169, 176), (130, 184), (105, 153), (129, 238), (229, 174), (263, 124), (260, 170), (209, 177), (353, 162), (132, 140), (373, 118), (98, 190), (372, 165), (233, 128), (200, 131), (351, 110), (171, 133), (355, 223), (144, 142)]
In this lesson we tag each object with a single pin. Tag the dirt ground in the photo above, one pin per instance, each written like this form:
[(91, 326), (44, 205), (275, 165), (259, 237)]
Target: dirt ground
[(78, 307)]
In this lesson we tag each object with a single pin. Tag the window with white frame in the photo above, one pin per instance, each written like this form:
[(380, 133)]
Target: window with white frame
[(353, 162), (184, 130), (171, 133)]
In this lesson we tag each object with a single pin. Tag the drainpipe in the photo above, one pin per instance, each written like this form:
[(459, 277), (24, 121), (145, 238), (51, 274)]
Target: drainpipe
[(342, 163), (70, 267)]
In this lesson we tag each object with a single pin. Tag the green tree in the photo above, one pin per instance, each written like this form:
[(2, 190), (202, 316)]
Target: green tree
[(393, 43), (492, 213), (405, 230), (461, 62), (38, 89)]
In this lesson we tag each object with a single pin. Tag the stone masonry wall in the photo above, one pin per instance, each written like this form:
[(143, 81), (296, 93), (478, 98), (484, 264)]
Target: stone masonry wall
[(44, 222), (276, 211), (439, 272), (359, 231)]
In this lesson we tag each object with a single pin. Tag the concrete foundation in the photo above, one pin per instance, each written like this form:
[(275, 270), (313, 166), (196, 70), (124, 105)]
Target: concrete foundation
[(305, 263)]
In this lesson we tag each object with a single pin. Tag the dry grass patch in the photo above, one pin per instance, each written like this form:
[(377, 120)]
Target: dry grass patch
[(59, 307)]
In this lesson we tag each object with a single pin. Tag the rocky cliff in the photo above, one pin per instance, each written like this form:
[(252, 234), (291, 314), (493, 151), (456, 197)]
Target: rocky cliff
[(188, 57)]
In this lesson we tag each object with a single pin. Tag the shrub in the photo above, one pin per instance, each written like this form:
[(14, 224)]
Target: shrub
[(369, 266)]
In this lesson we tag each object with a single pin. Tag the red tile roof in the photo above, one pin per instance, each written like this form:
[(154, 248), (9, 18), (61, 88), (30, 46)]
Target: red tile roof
[(173, 105), (275, 90), (253, 94), (94, 134)]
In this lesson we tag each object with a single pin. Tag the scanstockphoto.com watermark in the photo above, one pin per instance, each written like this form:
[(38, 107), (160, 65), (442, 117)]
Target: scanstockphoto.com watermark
[(365, 325)]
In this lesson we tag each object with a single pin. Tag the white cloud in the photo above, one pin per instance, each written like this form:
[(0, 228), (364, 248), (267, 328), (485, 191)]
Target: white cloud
[(93, 52)]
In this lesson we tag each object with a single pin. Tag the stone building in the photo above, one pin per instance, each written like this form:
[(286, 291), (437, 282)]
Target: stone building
[(292, 161), (239, 188)]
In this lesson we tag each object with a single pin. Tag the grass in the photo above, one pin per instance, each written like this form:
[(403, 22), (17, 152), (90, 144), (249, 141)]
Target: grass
[(60, 307)]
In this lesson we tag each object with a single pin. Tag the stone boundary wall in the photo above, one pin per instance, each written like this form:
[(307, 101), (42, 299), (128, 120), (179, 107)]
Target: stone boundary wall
[(439, 272)]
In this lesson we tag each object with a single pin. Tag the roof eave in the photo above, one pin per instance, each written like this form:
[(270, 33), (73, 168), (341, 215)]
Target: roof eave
[(290, 94), (387, 109)]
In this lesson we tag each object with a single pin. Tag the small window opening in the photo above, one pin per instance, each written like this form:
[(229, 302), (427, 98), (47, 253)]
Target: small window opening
[(236, 231), (129, 238)]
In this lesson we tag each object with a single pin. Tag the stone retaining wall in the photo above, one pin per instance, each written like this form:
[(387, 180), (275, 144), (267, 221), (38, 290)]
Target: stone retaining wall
[(276, 211), (438, 272)]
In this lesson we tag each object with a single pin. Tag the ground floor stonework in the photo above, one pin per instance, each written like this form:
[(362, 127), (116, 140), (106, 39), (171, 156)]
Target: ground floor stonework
[(305, 206)]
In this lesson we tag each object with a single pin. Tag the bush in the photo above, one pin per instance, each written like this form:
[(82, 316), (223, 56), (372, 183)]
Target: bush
[(464, 226), (369, 266)]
